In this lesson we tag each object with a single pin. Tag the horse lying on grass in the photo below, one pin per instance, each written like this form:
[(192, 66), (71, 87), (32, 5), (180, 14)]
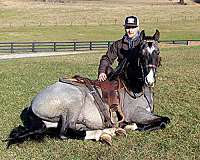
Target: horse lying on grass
[(71, 109)]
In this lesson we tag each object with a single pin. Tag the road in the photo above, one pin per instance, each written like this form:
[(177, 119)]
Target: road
[(41, 54)]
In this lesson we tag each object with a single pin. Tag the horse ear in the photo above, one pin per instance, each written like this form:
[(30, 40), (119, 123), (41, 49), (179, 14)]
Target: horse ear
[(156, 36), (142, 35)]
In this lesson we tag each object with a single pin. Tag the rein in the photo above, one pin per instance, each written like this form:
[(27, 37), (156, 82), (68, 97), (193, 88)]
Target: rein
[(132, 94)]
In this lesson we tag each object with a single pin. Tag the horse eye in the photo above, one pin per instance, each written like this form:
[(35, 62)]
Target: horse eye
[(157, 51)]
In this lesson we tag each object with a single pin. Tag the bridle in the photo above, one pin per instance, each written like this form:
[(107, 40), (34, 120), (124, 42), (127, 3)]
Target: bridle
[(149, 53), (152, 66)]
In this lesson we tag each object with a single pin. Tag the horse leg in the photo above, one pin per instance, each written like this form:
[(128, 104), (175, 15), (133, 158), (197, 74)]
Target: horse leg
[(152, 124), (63, 125), (67, 121), (155, 124), (131, 127), (104, 135), (148, 121)]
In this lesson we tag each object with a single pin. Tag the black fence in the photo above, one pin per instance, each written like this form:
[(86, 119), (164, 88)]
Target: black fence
[(24, 47), (14, 47)]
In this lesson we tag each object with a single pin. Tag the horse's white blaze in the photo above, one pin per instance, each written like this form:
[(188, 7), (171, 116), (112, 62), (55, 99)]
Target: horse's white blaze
[(150, 78), (50, 124), (151, 49)]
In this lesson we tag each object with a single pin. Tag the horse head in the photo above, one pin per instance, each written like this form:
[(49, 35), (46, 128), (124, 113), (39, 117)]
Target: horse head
[(150, 57)]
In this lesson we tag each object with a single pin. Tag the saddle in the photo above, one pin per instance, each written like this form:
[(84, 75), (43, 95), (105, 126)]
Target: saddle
[(110, 96)]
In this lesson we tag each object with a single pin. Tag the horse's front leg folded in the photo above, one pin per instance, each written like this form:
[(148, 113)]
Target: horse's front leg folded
[(64, 125), (131, 127), (104, 135), (67, 121)]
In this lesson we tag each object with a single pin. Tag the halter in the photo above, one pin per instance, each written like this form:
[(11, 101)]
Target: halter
[(151, 66), (150, 51)]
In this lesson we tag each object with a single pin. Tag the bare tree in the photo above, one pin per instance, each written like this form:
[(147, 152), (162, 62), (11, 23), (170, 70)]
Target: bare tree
[(182, 2)]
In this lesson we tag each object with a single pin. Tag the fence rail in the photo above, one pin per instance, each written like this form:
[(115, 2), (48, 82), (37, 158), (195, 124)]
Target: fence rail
[(16, 47)]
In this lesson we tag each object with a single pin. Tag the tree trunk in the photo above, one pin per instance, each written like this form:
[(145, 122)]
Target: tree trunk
[(182, 2)]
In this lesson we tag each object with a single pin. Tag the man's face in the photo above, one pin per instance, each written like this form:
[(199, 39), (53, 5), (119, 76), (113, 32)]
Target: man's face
[(131, 31)]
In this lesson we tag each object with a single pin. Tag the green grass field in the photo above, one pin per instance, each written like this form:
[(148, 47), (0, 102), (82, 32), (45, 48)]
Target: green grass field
[(177, 95), (25, 20), (173, 31)]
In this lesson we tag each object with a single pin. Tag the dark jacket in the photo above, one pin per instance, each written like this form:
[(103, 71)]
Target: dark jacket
[(118, 50)]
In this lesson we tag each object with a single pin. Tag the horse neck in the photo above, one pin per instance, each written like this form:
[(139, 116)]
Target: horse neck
[(133, 79)]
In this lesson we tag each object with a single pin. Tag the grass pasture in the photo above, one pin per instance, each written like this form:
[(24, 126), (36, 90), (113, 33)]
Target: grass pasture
[(26, 20), (177, 95)]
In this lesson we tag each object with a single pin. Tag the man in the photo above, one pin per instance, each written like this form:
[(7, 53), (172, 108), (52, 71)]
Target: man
[(118, 50)]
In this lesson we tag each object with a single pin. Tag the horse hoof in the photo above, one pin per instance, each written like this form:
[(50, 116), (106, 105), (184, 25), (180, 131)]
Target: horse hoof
[(106, 138), (120, 132), (63, 137)]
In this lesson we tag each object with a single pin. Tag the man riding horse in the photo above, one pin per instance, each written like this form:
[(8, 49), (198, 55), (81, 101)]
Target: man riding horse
[(121, 49)]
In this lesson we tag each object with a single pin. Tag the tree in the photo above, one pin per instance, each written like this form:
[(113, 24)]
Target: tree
[(182, 2)]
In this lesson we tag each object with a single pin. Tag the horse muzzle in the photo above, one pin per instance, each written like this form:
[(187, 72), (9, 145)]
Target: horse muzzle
[(150, 78)]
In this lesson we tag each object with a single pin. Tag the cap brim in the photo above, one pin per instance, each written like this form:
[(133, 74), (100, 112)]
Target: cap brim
[(130, 25)]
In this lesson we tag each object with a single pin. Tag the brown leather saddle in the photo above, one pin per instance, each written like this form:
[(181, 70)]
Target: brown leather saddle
[(110, 96)]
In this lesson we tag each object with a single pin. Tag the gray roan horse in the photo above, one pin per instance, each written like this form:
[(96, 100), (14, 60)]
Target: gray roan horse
[(71, 109)]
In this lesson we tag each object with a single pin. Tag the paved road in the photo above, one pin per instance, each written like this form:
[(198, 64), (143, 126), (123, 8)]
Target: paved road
[(41, 54)]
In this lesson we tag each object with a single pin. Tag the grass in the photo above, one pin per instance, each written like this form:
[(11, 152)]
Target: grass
[(172, 31), (95, 20), (177, 95)]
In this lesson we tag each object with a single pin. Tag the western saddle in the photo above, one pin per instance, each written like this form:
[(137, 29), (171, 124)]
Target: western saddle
[(112, 112)]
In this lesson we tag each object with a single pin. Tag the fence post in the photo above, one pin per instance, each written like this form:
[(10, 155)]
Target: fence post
[(33, 47), (11, 48), (54, 46), (115, 21), (74, 46), (108, 44), (90, 45), (157, 20)]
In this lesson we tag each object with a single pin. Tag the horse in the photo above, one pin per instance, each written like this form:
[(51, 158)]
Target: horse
[(151, 54), (71, 108)]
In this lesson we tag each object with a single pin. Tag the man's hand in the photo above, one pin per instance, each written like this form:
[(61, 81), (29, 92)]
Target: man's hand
[(102, 77)]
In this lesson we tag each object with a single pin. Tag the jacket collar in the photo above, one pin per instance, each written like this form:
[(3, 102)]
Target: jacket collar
[(132, 42)]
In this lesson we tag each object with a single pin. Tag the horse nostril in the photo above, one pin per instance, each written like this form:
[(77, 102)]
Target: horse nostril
[(151, 84)]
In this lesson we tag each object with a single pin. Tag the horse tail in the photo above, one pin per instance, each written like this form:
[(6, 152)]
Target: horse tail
[(20, 133), (156, 124), (34, 129)]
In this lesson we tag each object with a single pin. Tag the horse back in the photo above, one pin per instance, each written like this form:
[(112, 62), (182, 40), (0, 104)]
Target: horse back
[(57, 99)]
